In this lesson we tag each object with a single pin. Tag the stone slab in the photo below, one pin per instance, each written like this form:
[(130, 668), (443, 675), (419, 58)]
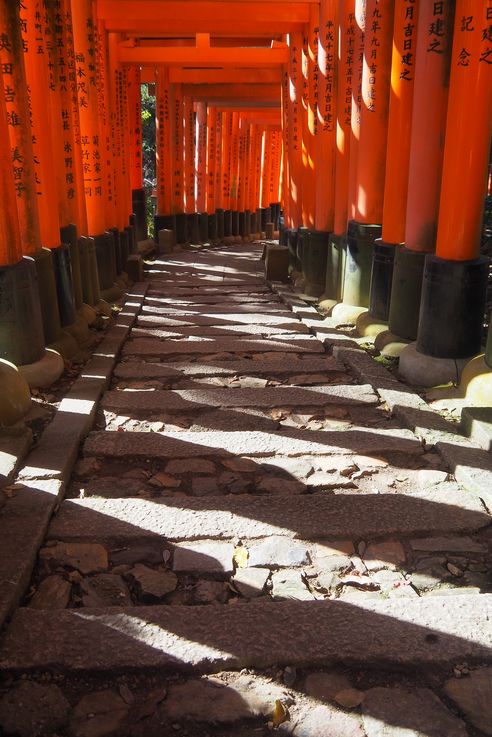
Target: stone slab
[(189, 400), (154, 329), (257, 444), (429, 631), (306, 517), (218, 309), (471, 466), (14, 445), (192, 319), (210, 299), (193, 291), (295, 366), (149, 347), (476, 423)]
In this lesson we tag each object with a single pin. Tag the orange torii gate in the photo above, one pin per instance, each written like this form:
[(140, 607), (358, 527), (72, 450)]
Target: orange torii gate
[(333, 110)]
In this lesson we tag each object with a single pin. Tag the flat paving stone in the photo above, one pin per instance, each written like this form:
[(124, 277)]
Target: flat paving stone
[(404, 632), (226, 310), (211, 299), (295, 366), (257, 444), (181, 317), (153, 331), (306, 517), (149, 347), (183, 400)]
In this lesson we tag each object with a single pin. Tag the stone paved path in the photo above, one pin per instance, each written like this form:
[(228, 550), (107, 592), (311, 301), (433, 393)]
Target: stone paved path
[(251, 541)]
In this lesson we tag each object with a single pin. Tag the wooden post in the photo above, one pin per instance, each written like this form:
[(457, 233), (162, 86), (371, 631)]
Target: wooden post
[(10, 240), (211, 162), (347, 68), (326, 115), (234, 161), (371, 160), (308, 186), (356, 106), (91, 132), (177, 149), (189, 153), (266, 164), (226, 159), (295, 130), (201, 163), (18, 121), (400, 120), (163, 141)]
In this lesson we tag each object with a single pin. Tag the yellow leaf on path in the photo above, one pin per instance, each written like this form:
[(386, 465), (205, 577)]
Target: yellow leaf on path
[(240, 557), (280, 714)]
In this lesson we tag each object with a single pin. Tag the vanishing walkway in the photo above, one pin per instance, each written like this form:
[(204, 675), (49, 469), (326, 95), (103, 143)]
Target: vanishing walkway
[(252, 538)]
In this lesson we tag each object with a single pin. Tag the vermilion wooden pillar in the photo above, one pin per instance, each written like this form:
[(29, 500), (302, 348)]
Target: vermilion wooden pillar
[(346, 71), (10, 240), (453, 293), (266, 165), (21, 334), (234, 162), (242, 169), (312, 101), (115, 130), (18, 121), (189, 146), (163, 141), (219, 162), (211, 163), (295, 130), (285, 149), (308, 140), (226, 159), (92, 134), (201, 163), (356, 105), (397, 155), (431, 86), (177, 148), (326, 115), (65, 119), (371, 158)]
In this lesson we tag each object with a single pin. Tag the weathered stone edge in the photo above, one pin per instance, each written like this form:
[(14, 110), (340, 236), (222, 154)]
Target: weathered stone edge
[(25, 518)]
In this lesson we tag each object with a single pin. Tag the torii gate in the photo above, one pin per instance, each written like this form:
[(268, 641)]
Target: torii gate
[(336, 109)]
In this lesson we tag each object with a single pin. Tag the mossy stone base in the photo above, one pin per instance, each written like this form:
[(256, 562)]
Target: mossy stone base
[(15, 397), (45, 372)]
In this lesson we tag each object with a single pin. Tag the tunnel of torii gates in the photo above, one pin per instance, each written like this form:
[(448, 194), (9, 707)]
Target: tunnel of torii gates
[(359, 128)]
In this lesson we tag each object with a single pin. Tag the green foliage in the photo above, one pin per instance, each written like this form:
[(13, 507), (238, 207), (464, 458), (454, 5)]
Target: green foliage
[(148, 134)]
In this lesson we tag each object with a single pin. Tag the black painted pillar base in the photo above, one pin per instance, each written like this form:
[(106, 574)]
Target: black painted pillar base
[(181, 228), (163, 222), (106, 267), (62, 268), (488, 346), (134, 240), (335, 263), (203, 227), (358, 265), (212, 227), (125, 237), (68, 235), (43, 260), (381, 279), (315, 255), (253, 222), (21, 326), (292, 246), (242, 224), (301, 246), (452, 307), (139, 206), (227, 223), (274, 214), (235, 223), (117, 250), (220, 223), (406, 289)]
